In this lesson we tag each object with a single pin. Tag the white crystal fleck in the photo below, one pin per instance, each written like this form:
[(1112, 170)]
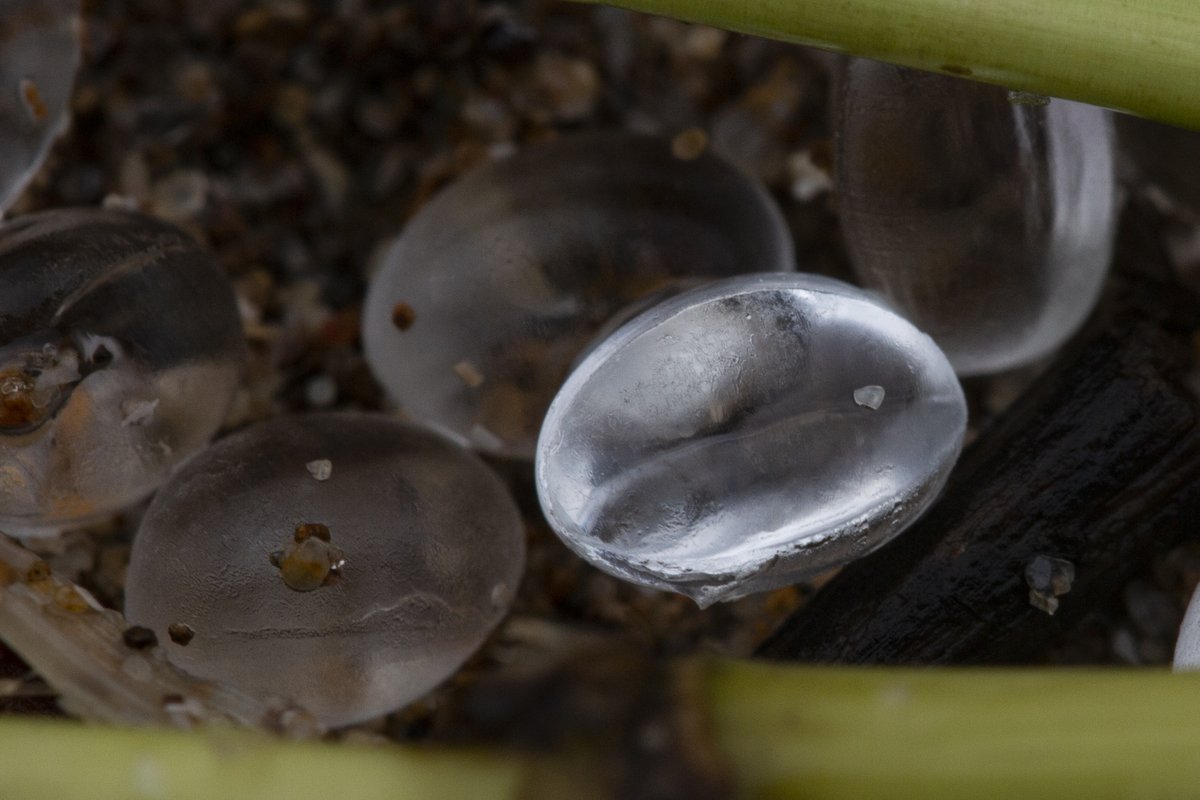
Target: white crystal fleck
[(320, 468), (869, 396)]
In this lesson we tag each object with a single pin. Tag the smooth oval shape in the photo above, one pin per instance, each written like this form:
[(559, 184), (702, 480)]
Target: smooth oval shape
[(121, 348), (350, 596), (480, 307), (1187, 646), (987, 220), (39, 54), (747, 434)]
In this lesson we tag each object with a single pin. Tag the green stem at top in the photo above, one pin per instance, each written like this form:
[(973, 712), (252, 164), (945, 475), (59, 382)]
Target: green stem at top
[(1141, 56)]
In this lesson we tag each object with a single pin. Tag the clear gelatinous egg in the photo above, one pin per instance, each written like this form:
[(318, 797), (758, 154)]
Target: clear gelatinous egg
[(351, 595), (986, 219), (480, 307), (39, 54), (746, 434), (120, 350), (1187, 646)]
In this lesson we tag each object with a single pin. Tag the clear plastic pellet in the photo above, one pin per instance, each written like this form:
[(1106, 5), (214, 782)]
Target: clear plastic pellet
[(39, 54), (349, 596), (478, 310), (120, 350), (988, 221), (746, 434)]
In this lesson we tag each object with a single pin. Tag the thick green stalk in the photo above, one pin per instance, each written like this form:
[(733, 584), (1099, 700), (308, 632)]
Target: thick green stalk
[(819, 732), (1141, 56), (44, 760), (783, 732)]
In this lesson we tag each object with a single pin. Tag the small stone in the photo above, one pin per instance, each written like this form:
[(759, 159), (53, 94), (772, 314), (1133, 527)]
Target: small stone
[(809, 180), (320, 469), (572, 85), (139, 637), (138, 412), (869, 397), (403, 316), (704, 43), (70, 598), (469, 374), (689, 144), (180, 633), (180, 196), (1049, 575), (307, 564), (1043, 602), (312, 530), (321, 391), (1048, 578)]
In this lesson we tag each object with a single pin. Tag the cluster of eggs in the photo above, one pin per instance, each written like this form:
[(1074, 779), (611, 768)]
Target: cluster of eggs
[(701, 417)]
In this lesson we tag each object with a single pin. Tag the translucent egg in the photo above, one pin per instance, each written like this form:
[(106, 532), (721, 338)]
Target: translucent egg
[(39, 54), (746, 434), (987, 220), (351, 595), (1187, 646), (120, 350), (480, 307)]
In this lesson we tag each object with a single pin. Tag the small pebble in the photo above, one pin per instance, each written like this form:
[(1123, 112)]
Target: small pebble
[(469, 374), (403, 316), (138, 637), (689, 144), (1048, 578), (321, 391), (180, 633), (320, 469)]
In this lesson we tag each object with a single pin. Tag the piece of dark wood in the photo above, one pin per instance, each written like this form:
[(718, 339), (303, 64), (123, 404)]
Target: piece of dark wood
[(1098, 463)]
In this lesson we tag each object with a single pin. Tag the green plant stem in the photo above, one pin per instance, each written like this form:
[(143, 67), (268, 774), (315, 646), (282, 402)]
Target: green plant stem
[(819, 732), (43, 760), (784, 732), (1138, 56)]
